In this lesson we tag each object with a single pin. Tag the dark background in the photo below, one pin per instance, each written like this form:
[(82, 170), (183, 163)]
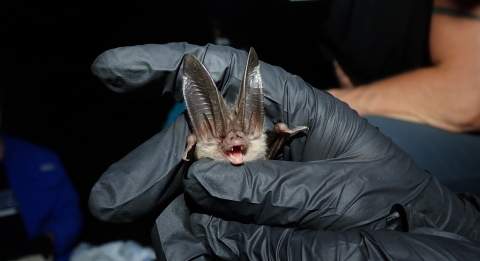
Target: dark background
[(49, 96)]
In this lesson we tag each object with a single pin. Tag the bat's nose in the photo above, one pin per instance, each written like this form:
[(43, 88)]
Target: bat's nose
[(235, 138)]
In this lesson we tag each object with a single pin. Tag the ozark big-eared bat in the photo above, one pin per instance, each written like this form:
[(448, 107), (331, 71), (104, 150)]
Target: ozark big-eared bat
[(226, 134)]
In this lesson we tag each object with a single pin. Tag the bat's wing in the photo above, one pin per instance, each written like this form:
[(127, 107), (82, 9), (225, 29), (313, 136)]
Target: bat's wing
[(207, 109), (249, 112), (278, 136)]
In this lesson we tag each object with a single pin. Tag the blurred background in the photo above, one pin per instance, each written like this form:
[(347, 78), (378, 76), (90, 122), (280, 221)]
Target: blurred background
[(50, 97)]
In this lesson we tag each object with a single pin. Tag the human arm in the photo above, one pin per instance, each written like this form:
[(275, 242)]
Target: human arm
[(431, 95)]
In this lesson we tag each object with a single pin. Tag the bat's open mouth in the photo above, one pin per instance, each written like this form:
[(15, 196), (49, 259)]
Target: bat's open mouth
[(235, 154)]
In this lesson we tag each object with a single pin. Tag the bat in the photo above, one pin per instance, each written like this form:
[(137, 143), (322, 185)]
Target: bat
[(234, 134)]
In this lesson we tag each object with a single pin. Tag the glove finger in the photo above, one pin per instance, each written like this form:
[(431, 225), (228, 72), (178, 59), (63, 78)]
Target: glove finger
[(147, 178), (131, 68), (230, 240)]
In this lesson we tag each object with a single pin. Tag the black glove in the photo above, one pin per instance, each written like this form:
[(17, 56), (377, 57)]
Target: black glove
[(348, 178)]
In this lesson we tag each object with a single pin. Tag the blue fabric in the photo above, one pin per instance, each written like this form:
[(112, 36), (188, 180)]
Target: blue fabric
[(176, 110), (46, 198), (453, 158)]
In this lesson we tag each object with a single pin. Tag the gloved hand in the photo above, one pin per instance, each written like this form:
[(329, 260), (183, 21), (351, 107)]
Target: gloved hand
[(182, 235), (342, 182)]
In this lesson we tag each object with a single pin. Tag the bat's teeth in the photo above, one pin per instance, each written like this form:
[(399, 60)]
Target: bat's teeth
[(235, 154)]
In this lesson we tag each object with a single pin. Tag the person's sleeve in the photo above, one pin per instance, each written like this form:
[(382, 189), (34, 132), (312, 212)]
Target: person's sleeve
[(65, 220)]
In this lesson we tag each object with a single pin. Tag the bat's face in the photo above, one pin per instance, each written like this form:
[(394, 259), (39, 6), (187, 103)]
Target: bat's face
[(239, 147), (235, 136), (234, 147)]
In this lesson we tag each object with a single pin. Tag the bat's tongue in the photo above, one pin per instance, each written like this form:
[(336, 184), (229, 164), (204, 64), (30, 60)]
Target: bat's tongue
[(235, 155)]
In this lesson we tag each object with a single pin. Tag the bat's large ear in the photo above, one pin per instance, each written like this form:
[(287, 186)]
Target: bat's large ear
[(249, 111), (207, 109)]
